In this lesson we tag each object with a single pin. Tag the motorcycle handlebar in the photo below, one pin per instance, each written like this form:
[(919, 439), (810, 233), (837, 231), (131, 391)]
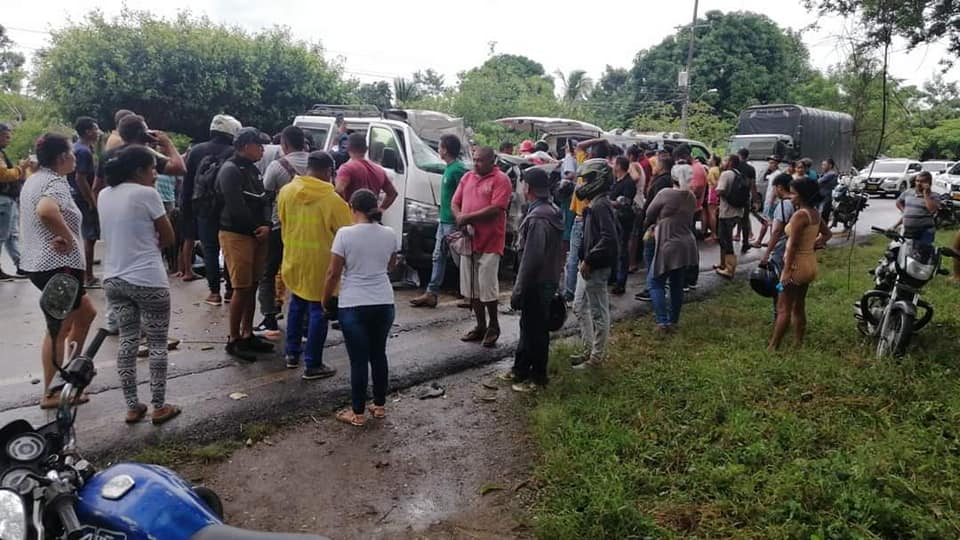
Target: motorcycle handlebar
[(68, 518), (96, 343)]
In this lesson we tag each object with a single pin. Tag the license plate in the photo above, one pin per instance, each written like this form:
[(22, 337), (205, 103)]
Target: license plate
[(871, 188), (956, 195)]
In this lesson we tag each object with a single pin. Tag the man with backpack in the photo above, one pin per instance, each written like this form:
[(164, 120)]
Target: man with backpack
[(244, 228), (734, 192), (293, 162), (199, 203)]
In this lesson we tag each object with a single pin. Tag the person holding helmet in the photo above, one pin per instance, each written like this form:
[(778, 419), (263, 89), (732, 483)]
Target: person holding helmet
[(598, 256), (538, 278)]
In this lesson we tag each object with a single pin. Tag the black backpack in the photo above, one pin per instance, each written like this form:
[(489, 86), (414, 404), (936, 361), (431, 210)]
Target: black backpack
[(206, 196), (738, 193)]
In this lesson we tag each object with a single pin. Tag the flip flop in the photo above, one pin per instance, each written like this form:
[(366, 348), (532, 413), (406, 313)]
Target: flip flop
[(192, 278), (347, 416), (378, 411)]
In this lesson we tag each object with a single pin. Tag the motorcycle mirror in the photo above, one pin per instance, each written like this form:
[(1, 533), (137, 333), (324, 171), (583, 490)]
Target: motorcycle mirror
[(57, 300)]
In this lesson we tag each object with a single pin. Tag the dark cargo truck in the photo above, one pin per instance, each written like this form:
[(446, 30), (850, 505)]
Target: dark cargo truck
[(794, 132)]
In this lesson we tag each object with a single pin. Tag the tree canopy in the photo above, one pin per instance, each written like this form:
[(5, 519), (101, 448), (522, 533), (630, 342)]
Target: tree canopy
[(11, 64), (179, 73)]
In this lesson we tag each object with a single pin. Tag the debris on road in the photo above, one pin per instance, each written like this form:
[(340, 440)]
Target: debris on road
[(434, 391), (237, 396)]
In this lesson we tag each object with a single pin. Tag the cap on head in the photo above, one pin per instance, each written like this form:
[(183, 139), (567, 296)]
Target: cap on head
[(249, 135), (526, 147), (226, 124), (537, 180), (774, 158)]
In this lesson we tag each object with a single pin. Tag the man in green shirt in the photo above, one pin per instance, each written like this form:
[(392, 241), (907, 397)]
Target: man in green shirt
[(450, 153)]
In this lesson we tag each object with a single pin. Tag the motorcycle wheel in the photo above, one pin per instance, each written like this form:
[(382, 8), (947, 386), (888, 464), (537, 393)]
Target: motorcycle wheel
[(894, 335), (211, 499)]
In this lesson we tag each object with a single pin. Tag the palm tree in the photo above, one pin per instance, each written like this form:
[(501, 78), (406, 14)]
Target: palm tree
[(405, 91), (576, 86)]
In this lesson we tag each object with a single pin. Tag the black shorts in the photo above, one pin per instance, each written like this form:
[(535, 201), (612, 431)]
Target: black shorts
[(40, 279)]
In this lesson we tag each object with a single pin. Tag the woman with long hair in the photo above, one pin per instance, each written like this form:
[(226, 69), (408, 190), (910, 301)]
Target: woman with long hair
[(363, 255), (50, 231), (135, 230), (805, 231)]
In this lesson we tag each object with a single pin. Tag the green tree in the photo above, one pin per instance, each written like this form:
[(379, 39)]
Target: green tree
[(11, 64), (610, 102), (504, 85), (179, 73), (378, 93), (430, 82), (405, 91), (918, 21), (30, 118), (574, 87), (746, 57)]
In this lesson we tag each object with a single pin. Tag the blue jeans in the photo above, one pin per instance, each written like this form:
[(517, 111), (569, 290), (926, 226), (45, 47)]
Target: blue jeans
[(573, 259), (10, 227), (207, 232), (665, 316), (299, 310), (441, 254), (649, 249), (927, 237), (365, 333)]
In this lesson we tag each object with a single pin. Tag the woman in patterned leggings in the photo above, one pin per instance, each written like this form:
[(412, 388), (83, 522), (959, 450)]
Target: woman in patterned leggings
[(135, 229)]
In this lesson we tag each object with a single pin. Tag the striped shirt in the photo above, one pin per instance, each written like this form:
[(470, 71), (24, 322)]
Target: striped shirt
[(915, 213)]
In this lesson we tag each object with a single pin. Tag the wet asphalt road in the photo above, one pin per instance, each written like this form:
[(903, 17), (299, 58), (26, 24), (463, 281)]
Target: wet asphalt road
[(424, 344)]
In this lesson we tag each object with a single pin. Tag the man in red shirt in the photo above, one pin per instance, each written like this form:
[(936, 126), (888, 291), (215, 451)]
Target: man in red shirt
[(481, 202), (361, 173)]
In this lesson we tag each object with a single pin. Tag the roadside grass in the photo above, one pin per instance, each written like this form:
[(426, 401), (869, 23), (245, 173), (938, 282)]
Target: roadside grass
[(704, 434), (175, 455)]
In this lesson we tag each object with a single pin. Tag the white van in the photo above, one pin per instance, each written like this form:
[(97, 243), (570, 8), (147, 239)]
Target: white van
[(412, 165)]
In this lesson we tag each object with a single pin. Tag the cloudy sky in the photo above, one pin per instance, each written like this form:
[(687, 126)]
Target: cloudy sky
[(383, 39)]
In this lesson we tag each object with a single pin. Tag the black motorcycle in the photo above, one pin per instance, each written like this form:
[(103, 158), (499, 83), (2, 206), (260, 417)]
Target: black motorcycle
[(949, 212), (847, 206), (893, 311)]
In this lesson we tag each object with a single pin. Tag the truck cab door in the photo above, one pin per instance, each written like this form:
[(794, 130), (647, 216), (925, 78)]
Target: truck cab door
[(385, 148)]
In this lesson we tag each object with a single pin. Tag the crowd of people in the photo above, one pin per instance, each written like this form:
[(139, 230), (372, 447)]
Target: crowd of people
[(299, 227)]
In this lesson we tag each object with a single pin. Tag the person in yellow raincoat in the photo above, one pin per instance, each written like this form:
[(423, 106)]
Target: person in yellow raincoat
[(310, 212)]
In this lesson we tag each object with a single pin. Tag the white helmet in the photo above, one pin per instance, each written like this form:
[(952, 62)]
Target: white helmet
[(224, 123)]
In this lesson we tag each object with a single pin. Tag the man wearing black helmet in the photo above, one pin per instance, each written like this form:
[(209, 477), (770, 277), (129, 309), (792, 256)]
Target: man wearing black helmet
[(598, 256)]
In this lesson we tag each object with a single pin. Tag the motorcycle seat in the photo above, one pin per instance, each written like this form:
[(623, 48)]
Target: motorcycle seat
[(225, 532)]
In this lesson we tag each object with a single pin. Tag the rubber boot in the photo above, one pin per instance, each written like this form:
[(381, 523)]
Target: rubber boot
[(729, 266)]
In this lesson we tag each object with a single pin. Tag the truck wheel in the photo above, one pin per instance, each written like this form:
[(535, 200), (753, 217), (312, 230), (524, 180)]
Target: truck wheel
[(211, 499)]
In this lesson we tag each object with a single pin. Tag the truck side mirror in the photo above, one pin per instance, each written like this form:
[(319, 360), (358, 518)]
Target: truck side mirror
[(391, 160)]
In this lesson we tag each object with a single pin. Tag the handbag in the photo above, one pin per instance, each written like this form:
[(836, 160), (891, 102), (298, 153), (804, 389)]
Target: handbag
[(460, 241)]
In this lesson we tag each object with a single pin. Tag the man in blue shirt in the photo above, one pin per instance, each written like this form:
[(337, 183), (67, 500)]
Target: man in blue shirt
[(81, 187)]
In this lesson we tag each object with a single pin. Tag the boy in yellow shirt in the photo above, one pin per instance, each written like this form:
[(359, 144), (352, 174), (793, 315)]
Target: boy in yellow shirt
[(310, 212)]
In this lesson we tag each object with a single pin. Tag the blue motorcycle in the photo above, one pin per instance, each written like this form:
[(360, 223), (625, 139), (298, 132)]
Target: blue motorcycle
[(48, 491)]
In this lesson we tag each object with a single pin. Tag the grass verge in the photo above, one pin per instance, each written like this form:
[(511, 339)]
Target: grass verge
[(705, 434)]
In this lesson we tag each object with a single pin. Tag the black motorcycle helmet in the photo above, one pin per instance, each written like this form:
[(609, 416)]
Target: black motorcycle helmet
[(764, 279)]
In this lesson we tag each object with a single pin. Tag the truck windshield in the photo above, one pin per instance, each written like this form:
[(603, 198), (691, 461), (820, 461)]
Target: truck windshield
[(886, 167), (317, 137), (759, 148), (424, 157)]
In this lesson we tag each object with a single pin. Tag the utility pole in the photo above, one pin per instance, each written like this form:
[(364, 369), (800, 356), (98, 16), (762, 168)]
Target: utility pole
[(684, 78)]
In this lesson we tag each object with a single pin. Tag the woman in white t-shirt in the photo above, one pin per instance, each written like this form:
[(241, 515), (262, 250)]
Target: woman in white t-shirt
[(363, 255), (134, 229)]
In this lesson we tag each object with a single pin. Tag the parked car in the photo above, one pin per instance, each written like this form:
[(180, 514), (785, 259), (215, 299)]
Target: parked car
[(888, 176), (936, 167), (948, 182)]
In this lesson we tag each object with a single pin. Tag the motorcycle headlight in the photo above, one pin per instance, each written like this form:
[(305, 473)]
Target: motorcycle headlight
[(918, 270), (13, 516), (418, 212)]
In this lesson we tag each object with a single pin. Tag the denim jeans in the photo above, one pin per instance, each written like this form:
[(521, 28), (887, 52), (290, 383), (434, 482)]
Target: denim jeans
[(10, 227), (267, 288), (623, 261), (299, 310), (441, 255), (365, 333), (573, 259), (208, 230), (533, 348), (649, 250), (591, 304), (664, 315)]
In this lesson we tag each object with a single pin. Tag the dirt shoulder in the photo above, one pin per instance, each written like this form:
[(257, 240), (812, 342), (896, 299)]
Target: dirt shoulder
[(452, 467)]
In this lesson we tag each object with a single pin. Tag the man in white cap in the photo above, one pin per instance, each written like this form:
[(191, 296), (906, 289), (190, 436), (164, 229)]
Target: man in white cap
[(205, 228)]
